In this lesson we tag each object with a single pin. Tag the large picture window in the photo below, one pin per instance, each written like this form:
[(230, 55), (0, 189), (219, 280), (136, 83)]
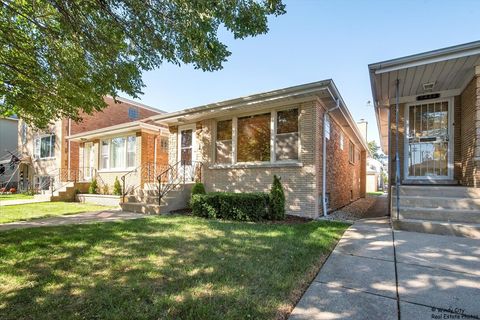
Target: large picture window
[(253, 140), (44, 147), (118, 153), (286, 139), (223, 150), (266, 137)]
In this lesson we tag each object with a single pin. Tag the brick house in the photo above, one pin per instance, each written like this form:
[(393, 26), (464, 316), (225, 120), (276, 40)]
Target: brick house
[(50, 155), (304, 134), (434, 170)]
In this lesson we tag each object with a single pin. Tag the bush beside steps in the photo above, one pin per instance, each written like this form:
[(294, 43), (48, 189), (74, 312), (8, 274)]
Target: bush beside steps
[(255, 206)]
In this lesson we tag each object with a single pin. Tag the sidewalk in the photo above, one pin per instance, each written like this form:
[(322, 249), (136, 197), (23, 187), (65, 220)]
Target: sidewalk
[(81, 218), (21, 201), (423, 276)]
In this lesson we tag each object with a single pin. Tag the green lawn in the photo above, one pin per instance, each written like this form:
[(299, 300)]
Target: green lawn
[(15, 196), (162, 267), (44, 209)]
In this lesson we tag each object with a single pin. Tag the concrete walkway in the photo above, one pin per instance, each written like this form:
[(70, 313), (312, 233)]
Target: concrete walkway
[(81, 218), (22, 201), (375, 273)]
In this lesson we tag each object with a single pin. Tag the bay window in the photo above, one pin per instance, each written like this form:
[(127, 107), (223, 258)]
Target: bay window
[(118, 153), (265, 137)]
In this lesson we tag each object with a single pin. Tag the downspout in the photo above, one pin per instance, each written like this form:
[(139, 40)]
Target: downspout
[(397, 158), (68, 154), (324, 158)]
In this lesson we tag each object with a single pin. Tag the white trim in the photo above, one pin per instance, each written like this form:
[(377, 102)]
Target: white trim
[(109, 143), (451, 139), (453, 52), (192, 127)]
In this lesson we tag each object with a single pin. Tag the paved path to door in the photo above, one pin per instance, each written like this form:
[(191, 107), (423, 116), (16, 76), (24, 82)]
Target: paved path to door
[(375, 273), (81, 218), (22, 201)]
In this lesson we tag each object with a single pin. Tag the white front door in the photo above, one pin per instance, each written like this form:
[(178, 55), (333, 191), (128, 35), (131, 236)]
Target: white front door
[(187, 152), (429, 140), (89, 159)]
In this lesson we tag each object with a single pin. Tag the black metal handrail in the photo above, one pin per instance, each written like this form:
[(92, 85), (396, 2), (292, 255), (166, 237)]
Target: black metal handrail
[(173, 177), (147, 174)]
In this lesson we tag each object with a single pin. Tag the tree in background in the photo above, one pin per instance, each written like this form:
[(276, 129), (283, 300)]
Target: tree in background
[(61, 57), (377, 154)]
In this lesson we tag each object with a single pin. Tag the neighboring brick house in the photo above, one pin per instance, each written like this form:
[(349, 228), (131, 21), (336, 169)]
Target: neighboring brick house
[(242, 143), (49, 154), (437, 95)]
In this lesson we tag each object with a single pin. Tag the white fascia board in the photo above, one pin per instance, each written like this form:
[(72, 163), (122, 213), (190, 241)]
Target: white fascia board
[(309, 88), (455, 52)]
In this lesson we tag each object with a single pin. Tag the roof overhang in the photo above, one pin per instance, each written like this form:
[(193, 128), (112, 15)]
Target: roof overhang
[(324, 91), (118, 129), (449, 70)]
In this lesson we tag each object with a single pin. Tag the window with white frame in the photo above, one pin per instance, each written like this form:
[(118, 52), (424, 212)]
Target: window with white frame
[(327, 126), (131, 146), (44, 146), (341, 140), (118, 153), (104, 154), (257, 137)]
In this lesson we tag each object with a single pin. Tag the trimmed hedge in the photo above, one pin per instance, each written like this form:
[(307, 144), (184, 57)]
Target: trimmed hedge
[(231, 206)]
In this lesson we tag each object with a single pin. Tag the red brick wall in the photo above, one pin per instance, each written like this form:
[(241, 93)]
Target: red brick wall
[(148, 153), (346, 181), (113, 114)]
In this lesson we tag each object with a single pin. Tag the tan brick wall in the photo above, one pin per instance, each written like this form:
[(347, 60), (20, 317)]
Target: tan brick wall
[(470, 133), (345, 180), (299, 182)]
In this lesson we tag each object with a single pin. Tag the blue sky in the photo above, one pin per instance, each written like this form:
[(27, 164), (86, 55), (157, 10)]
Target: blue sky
[(317, 40)]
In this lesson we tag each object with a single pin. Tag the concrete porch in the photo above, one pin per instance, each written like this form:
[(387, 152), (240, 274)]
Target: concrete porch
[(445, 210)]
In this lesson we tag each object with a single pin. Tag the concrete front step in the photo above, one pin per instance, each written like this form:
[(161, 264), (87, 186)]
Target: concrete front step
[(438, 214), (438, 191), (468, 230), (437, 202)]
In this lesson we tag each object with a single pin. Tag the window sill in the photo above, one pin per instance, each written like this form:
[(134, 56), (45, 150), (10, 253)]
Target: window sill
[(256, 165)]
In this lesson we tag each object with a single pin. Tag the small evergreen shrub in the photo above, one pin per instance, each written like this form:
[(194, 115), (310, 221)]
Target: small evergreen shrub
[(198, 188), (117, 188), (93, 188), (277, 200), (231, 206), (105, 189)]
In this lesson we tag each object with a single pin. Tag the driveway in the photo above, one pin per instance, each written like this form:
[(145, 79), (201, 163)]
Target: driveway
[(81, 218), (375, 273)]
